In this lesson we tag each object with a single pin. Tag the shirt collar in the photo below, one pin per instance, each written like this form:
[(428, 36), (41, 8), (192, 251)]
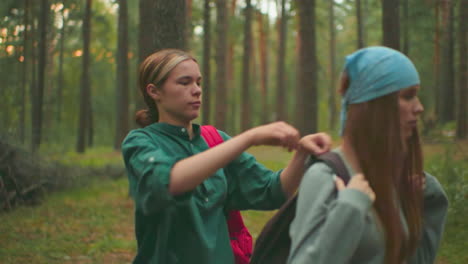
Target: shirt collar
[(178, 131)]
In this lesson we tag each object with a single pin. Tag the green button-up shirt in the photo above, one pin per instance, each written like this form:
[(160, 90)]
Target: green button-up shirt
[(191, 227)]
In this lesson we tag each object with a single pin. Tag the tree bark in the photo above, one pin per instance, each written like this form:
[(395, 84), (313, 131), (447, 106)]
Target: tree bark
[(307, 83), (332, 46), (22, 121), (391, 23), (406, 23), (360, 26), (60, 72), (462, 117), (221, 61), (281, 74), (436, 73), (447, 79), (206, 110), (245, 94), (263, 51), (162, 25), (84, 119), (122, 104), (39, 95), (189, 26)]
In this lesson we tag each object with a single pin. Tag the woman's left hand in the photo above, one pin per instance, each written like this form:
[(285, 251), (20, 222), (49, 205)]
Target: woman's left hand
[(315, 144)]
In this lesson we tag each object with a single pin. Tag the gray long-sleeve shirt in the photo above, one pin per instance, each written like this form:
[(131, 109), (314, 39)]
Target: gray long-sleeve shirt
[(344, 228)]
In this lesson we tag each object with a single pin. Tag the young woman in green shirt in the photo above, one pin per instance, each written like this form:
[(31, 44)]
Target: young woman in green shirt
[(182, 188), (391, 211)]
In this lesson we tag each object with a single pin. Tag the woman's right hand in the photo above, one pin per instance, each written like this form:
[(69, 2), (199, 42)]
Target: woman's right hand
[(358, 182), (275, 134)]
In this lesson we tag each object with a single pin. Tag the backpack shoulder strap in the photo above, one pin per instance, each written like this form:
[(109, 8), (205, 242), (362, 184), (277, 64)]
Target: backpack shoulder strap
[(334, 161), (240, 238), (273, 243), (211, 135)]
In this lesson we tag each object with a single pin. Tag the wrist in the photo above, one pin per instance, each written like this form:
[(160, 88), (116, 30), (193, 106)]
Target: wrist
[(301, 154)]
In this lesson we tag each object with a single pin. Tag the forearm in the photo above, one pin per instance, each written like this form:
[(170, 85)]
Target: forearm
[(190, 172), (292, 174)]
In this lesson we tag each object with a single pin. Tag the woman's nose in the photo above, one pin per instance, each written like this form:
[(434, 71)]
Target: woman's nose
[(197, 90), (419, 108)]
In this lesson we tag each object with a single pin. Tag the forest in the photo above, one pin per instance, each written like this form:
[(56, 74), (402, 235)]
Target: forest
[(69, 95)]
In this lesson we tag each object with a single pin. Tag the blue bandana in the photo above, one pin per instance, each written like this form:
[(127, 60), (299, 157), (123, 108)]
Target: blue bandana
[(374, 72)]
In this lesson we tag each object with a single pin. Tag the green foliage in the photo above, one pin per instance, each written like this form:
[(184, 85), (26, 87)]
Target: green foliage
[(450, 166), (453, 175)]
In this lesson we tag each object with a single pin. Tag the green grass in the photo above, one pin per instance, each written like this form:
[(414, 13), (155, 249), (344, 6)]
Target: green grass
[(93, 158), (86, 225), (94, 224)]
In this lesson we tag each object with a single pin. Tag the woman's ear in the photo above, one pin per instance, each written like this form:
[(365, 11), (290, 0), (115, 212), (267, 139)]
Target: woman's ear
[(153, 91)]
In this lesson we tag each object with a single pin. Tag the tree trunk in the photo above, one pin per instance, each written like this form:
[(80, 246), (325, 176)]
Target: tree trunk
[(406, 23), (221, 59), (263, 51), (307, 70), (206, 111), (90, 132), (233, 107), (38, 99), (360, 26), (391, 23), (189, 26), (462, 117), (60, 72), (122, 104), (162, 25), (84, 120), (245, 93), (332, 46), (33, 84), (436, 74), (22, 121), (447, 82), (281, 89)]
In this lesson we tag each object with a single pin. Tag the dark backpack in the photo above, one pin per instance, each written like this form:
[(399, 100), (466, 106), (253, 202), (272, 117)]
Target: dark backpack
[(241, 240), (273, 244)]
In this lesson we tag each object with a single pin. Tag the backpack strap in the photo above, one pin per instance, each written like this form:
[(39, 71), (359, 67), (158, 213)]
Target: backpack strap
[(211, 135), (334, 161), (273, 243), (240, 237)]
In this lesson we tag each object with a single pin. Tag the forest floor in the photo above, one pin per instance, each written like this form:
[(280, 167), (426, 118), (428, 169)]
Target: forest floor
[(94, 224)]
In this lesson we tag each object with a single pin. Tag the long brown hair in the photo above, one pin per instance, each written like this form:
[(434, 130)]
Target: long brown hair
[(155, 70), (392, 166)]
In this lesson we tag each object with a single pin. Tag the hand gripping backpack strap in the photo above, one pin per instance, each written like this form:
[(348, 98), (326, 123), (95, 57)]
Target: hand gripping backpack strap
[(273, 243), (240, 238)]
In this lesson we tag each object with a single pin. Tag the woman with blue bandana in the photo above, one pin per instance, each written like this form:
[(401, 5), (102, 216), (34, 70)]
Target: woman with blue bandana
[(391, 211)]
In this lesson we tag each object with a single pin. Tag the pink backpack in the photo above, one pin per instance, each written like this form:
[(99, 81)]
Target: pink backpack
[(241, 240)]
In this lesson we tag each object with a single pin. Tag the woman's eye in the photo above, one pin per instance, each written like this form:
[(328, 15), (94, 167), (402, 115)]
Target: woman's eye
[(409, 96)]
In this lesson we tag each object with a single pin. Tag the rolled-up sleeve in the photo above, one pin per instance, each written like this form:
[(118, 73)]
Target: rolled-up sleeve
[(435, 212), (148, 169), (251, 185)]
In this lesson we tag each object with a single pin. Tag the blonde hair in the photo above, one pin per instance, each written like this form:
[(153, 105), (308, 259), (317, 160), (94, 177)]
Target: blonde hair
[(155, 70)]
